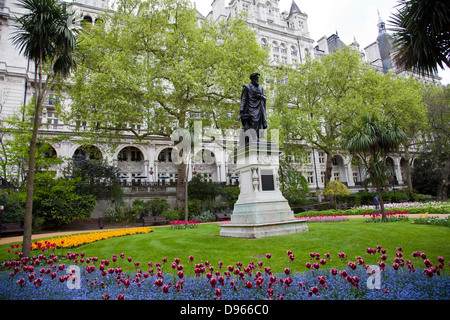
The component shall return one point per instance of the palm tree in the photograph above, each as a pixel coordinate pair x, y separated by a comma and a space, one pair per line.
421, 38
372, 137
46, 37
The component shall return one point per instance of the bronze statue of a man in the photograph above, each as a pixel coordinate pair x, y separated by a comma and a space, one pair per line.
253, 105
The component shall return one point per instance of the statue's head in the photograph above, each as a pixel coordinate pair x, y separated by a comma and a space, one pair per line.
254, 77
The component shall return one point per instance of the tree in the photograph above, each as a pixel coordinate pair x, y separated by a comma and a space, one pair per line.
150, 66
14, 148
44, 36
421, 36
97, 179
372, 137
434, 159
315, 101
57, 201
399, 99
335, 188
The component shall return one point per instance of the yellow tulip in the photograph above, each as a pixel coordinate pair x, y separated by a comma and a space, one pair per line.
76, 240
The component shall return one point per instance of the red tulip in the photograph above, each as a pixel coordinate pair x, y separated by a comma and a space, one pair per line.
121, 297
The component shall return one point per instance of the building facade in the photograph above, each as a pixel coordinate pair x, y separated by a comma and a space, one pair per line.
285, 33
379, 55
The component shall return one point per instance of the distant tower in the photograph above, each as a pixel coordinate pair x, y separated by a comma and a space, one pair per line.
384, 45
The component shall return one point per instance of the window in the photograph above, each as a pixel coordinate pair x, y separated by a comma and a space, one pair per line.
310, 177
293, 51
130, 154
165, 155
321, 157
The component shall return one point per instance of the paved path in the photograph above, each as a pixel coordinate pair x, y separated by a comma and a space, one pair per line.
94, 228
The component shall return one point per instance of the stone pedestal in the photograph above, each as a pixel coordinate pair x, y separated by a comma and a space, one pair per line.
261, 210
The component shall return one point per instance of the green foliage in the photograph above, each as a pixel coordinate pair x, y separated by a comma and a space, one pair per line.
15, 147
123, 215
205, 216
445, 222
201, 189
366, 198
317, 102
293, 184
56, 200
14, 211
194, 207
97, 178
232, 194
420, 36
156, 206
173, 215
335, 188
174, 67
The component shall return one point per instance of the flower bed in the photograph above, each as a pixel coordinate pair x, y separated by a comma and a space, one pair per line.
46, 277
181, 224
434, 207
392, 216
428, 219
325, 218
76, 240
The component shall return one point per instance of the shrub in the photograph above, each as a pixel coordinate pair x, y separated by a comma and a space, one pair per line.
203, 189
173, 214
123, 215
14, 211
157, 206
205, 216
194, 207
424, 219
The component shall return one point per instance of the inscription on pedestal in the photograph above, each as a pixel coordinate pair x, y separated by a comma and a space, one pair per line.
267, 181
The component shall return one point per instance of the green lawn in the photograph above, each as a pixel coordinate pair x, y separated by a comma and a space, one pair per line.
205, 244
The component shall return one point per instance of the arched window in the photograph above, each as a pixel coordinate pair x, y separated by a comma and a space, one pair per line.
88, 152
130, 154
165, 155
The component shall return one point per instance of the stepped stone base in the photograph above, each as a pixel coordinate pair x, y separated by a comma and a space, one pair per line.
261, 210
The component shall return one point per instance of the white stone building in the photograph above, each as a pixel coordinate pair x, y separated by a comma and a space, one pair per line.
379, 55
285, 32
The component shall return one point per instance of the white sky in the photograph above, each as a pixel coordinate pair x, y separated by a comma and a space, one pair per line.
350, 18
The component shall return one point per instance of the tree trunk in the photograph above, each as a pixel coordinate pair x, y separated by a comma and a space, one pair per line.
408, 169
383, 213
28, 217
328, 169
181, 187
442, 188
